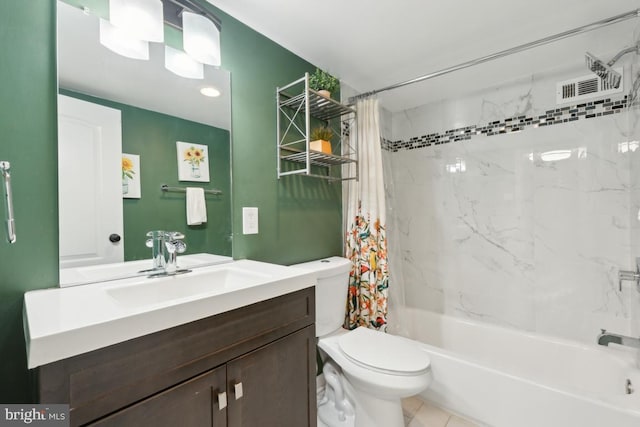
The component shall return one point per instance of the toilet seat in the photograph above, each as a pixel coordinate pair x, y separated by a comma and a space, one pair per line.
376, 381
363, 346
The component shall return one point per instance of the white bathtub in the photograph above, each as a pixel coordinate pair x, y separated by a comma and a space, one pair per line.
505, 378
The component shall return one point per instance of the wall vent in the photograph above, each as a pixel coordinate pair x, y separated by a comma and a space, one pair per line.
585, 87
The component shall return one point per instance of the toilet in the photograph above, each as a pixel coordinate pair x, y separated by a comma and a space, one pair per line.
367, 372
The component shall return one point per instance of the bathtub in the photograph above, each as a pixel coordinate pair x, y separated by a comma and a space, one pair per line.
507, 378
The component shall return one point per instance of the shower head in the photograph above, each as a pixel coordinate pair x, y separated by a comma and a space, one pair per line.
602, 70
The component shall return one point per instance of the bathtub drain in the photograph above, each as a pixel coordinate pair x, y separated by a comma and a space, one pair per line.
629, 387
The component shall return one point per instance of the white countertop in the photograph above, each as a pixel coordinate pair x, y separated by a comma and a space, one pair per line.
64, 322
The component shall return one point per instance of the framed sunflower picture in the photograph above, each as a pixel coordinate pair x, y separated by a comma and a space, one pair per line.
130, 176
193, 162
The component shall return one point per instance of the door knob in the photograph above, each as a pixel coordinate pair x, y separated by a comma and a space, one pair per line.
114, 238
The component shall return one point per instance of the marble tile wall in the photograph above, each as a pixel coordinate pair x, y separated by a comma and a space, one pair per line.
525, 228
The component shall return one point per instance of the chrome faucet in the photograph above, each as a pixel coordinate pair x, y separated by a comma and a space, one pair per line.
173, 246
606, 338
165, 247
156, 243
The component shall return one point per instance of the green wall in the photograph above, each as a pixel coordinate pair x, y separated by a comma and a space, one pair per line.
28, 132
300, 218
153, 137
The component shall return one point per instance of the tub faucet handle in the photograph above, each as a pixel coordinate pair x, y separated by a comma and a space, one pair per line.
629, 275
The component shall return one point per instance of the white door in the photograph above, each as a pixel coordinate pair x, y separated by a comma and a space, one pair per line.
89, 183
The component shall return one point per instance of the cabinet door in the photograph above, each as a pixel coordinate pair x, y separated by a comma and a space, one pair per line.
277, 383
193, 403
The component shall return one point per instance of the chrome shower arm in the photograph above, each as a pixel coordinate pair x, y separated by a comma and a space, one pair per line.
623, 52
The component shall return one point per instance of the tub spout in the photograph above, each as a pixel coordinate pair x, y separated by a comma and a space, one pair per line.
606, 338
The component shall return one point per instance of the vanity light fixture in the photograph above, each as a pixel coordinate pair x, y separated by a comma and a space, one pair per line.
201, 38
133, 24
178, 62
210, 91
142, 19
121, 42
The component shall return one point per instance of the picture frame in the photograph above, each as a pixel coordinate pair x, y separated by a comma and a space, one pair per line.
131, 176
193, 162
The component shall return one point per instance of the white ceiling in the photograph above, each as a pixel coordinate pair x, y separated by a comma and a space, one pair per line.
371, 44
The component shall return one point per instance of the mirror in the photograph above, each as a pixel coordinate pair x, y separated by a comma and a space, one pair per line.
157, 109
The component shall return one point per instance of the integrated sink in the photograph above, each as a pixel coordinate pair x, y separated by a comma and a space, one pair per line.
68, 321
75, 276
194, 284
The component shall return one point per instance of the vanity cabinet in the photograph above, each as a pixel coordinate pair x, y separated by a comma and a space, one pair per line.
189, 404
259, 358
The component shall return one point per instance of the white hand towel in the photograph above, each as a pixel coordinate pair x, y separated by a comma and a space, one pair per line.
196, 207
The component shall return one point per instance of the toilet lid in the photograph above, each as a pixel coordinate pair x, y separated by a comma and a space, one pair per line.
383, 352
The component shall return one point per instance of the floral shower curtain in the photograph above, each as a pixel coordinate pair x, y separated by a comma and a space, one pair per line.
365, 239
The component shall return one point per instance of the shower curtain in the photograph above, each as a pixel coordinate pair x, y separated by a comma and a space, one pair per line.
365, 239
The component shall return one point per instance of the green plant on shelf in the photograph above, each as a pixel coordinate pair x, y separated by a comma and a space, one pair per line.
321, 80
323, 132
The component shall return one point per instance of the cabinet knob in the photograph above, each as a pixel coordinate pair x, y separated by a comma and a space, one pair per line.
114, 238
237, 388
222, 400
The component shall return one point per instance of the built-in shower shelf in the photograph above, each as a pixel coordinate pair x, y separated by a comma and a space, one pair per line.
300, 109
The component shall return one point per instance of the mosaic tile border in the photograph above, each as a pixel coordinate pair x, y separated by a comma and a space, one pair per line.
587, 110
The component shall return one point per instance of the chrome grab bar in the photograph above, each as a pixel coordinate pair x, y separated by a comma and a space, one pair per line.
11, 223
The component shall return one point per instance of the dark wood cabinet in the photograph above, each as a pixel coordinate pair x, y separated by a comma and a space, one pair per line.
260, 358
194, 403
275, 389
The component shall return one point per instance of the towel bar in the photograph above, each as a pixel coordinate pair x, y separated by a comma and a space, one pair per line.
166, 188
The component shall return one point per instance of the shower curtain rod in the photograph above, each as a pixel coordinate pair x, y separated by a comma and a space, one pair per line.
583, 29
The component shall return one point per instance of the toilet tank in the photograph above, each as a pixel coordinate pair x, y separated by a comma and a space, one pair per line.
331, 291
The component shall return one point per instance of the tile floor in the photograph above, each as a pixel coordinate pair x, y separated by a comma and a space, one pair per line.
418, 413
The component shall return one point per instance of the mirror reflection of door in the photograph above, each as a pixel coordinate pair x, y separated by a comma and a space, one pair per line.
90, 185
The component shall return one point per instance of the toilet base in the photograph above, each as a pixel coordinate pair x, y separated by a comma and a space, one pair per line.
329, 416
334, 408
373, 411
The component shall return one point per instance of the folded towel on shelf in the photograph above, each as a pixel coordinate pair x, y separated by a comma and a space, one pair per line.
196, 207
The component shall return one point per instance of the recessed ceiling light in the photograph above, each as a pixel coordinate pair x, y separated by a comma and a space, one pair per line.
210, 91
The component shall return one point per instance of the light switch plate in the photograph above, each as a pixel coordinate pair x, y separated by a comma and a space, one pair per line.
249, 220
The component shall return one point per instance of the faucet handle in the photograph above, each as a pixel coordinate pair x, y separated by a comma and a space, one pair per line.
632, 276
154, 234
175, 235
180, 246
149, 243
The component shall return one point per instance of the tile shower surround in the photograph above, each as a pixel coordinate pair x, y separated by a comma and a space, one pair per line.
586, 110
486, 229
